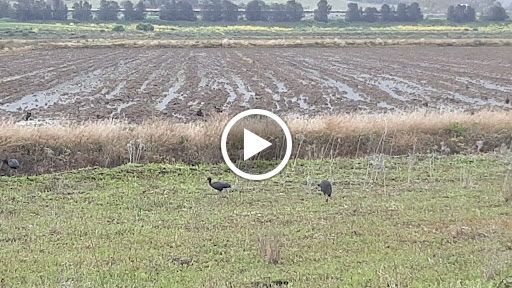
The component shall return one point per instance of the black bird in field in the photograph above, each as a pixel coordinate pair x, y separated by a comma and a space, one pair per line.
12, 163
507, 100
326, 188
27, 116
219, 186
200, 113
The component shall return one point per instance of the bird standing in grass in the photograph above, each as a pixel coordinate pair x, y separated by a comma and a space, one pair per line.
12, 163
219, 186
27, 116
326, 188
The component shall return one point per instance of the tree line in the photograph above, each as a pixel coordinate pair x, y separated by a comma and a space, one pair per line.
227, 11
402, 13
463, 13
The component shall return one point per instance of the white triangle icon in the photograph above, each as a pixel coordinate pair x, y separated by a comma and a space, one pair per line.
253, 144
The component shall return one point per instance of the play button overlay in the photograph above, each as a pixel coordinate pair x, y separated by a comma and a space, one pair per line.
254, 135
253, 144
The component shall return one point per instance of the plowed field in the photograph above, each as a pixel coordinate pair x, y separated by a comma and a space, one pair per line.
142, 83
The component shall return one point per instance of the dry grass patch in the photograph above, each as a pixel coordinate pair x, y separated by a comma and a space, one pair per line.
43, 149
23, 45
271, 248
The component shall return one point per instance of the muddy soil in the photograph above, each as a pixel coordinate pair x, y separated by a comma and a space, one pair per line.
138, 84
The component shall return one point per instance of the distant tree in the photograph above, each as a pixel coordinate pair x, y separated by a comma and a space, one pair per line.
41, 11
495, 13
414, 12
401, 13
181, 11
439, 6
278, 12
185, 11
450, 14
385, 13
461, 14
229, 11
322, 11
27, 10
128, 10
353, 13
470, 14
257, 10
82, 11
5, 9
211, 10
370, 14
59, 10
23, 10
168, 11
140, 11
108, 10
294, 11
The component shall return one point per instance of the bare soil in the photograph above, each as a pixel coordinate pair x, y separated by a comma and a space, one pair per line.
139, 84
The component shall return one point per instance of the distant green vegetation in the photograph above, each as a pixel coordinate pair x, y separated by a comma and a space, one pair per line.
422, 221
200, 30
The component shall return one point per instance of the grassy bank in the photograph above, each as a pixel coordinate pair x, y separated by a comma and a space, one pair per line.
10, 46
244, 30
437, 221
44, 149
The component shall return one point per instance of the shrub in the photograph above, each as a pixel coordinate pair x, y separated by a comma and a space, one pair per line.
118, 28
145, 27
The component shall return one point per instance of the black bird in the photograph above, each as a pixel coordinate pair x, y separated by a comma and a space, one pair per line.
507, 100
27, 116
200, 113
219, 186
326, 188
12, 163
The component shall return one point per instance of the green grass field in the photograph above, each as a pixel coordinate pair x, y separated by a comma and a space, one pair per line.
424, 221
243, 30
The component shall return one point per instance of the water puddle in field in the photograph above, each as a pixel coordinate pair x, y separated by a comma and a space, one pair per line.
203, 80
61, 93
120, 107
328, 102
301, 101
195, 104
349, 93
157, 72
39, 122
392, 84
116, 90
232, 96
281, 87
42, 71
247, 94
172, 93
386, 105
386, 87
477, 101
34, 101
151, 78
179, 116
485, 83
